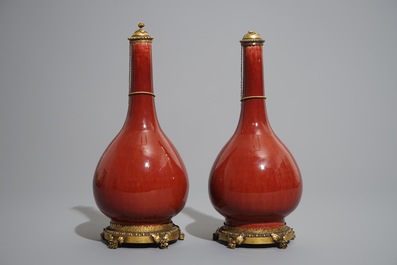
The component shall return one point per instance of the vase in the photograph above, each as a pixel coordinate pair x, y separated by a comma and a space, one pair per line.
254, 182
140, 182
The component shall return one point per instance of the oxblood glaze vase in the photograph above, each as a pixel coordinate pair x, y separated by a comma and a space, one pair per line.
140, 182
254, 182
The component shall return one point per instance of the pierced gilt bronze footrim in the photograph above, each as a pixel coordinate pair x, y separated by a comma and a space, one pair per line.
234, 236
161, 235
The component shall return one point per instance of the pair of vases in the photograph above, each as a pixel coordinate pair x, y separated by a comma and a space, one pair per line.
140, 182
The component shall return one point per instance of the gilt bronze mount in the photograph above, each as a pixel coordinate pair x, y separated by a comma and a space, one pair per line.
161, 235
235, 236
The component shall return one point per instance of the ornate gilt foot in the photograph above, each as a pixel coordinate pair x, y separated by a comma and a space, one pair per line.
282, 239
235, 236
234, 241
114, 243
161, 239
161, 235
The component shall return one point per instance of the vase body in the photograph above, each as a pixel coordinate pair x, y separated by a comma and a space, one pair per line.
254, 182
140, 182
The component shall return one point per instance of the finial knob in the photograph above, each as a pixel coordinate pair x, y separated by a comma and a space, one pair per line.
140, 35
252, 39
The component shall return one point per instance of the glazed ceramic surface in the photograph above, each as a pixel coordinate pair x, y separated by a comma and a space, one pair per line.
140, 179
255, 181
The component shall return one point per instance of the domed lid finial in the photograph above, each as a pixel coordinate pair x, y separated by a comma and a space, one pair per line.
252, 39
140, 35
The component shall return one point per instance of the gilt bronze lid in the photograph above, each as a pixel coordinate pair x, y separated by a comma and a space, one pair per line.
140, 35
252, 39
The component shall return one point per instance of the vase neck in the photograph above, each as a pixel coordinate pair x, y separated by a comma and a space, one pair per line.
141, 108
253, 107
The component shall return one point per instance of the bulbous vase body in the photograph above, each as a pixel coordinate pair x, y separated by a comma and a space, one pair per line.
254, 182
140, 178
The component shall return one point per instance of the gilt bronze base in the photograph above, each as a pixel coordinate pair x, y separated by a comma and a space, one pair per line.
235, 236
158, 235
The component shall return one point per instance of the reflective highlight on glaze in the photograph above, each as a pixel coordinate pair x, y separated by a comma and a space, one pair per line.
255, 181
140, 179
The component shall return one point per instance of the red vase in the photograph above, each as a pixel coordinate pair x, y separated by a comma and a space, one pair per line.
254, 182
140, 182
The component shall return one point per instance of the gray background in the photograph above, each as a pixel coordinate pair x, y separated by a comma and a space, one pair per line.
331, 72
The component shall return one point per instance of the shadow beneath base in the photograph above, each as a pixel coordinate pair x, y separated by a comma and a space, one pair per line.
93, 228
203, 226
